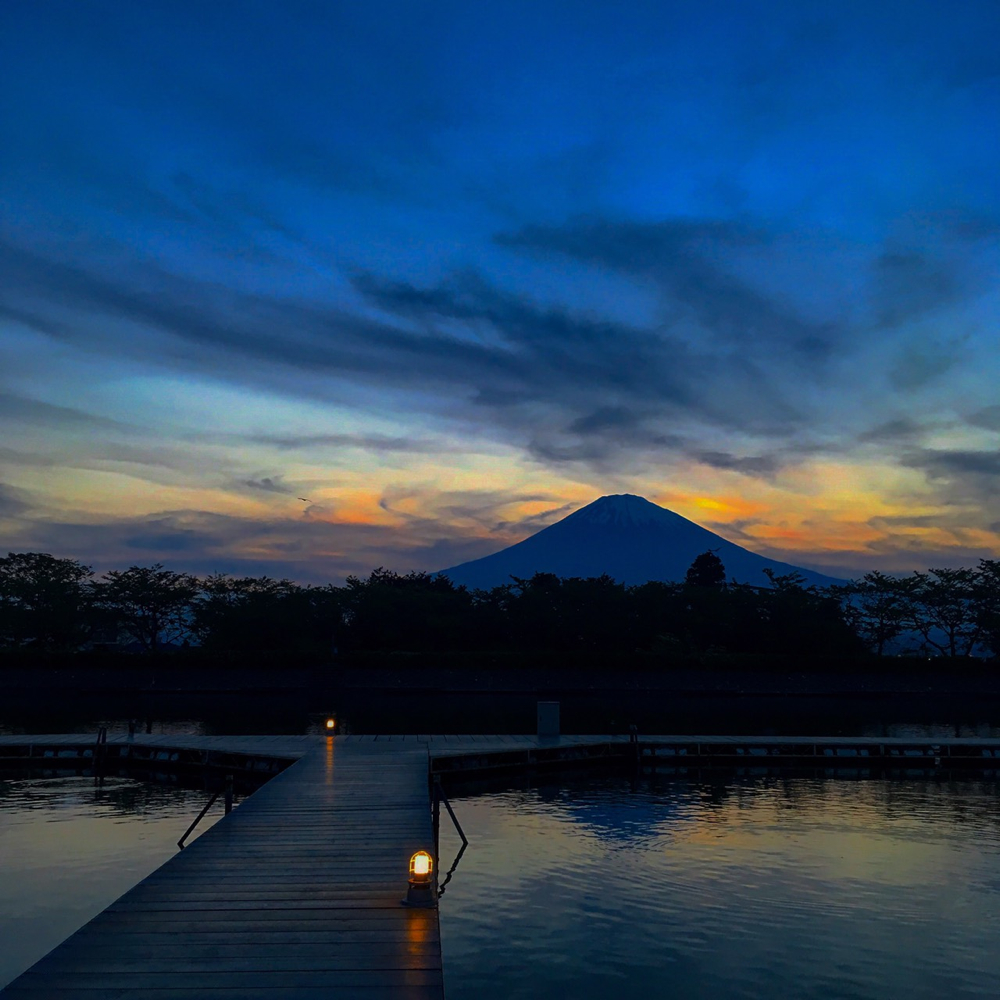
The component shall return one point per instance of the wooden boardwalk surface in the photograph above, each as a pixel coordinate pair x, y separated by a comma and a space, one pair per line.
295, 894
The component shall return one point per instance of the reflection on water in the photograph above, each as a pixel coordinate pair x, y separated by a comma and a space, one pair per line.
743, 888
69, 848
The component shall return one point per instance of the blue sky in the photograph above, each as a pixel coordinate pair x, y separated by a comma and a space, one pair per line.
450, 271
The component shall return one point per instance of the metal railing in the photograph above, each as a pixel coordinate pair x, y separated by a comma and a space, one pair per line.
226, 790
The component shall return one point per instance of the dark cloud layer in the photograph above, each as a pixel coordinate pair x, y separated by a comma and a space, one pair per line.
988, 418
684, 261
567, 386
379, 443
22, 409
970, 478
13, 502
908, 285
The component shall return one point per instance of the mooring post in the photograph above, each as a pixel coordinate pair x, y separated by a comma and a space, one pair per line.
100, 749
548, 718
229, 794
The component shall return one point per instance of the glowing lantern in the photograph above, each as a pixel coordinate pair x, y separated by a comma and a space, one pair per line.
331, 725
420, 890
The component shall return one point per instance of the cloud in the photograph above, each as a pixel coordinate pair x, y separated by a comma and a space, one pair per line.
906, 285
736, 531
962, 476
23, 409
306, 549
13, 501
912, 520
598, 381
558, 383
567, 386
31, 460
923, 362
948, 464
762, 466
368, 442
268, 484
534, 522
684, 260
901, 430
428, 529
987, 418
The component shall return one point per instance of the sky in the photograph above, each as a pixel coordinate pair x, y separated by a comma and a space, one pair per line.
306, 288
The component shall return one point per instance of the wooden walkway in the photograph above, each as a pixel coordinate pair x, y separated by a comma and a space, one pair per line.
297, 894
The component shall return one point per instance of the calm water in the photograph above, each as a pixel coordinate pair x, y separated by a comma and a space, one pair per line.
600, 887
68, 849
756, 889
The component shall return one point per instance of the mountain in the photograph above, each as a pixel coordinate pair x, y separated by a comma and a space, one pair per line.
626, 537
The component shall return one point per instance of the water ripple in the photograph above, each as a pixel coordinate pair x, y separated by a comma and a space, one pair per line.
757, 888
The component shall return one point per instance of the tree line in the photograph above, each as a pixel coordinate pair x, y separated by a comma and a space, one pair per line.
54, 604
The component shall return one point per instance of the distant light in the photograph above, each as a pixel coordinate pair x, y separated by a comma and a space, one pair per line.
420, 890
331, 723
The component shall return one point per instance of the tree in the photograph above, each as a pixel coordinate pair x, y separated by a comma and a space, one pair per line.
706, 603
878, 607
254, 614
800, 618
944, 603
150, 605
42, 601
415, 611
987, 603
706, 571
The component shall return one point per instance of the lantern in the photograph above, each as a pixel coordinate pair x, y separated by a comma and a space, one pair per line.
420, 888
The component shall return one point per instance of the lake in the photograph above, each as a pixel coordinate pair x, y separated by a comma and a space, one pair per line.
739, 888
602, 885
69, 847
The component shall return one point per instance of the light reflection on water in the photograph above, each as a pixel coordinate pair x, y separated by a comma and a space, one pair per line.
796, 887
69, 848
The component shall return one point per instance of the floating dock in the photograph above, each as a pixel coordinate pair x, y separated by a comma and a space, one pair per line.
297, 893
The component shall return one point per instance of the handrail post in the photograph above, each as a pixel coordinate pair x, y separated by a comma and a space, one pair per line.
211, 802
436, 813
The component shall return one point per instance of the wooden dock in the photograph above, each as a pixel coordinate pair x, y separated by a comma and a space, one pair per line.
297, 893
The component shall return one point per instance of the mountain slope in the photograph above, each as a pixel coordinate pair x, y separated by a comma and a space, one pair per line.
626, 537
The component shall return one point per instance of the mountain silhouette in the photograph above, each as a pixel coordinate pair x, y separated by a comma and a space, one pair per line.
627, 537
